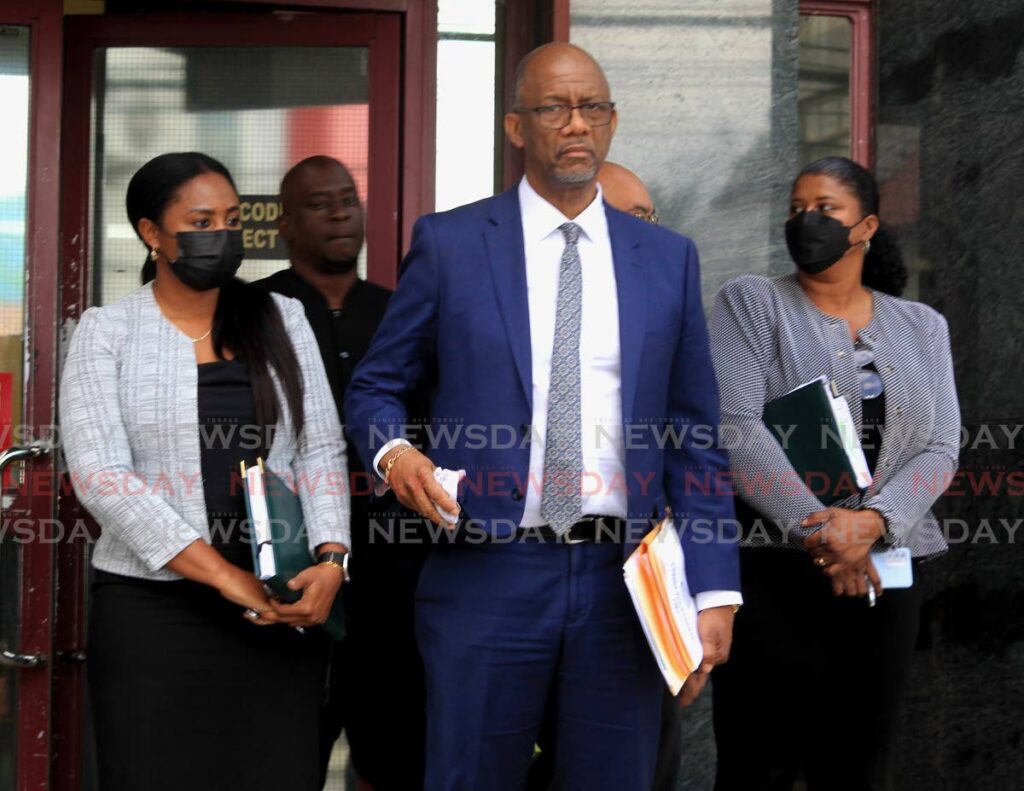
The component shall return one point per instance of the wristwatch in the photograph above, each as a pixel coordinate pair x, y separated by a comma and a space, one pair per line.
339, 559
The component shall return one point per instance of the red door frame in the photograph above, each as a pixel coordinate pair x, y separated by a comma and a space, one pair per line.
41, 249
862, 63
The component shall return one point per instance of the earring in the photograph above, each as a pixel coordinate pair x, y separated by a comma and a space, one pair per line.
867, 246
154, 254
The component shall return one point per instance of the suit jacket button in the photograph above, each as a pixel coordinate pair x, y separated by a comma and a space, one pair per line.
517, 495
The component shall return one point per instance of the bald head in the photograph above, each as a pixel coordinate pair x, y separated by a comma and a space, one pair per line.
293, 185
321, 218
557, 55
624, 190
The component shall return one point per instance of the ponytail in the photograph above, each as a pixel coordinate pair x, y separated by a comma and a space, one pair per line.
148, 274
884, 269
248, 322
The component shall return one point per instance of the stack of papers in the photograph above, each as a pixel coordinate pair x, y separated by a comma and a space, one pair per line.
656, 579
259, 522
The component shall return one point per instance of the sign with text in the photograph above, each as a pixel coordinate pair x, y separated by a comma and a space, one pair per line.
259, 216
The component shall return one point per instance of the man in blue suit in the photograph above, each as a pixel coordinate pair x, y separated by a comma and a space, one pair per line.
565, 348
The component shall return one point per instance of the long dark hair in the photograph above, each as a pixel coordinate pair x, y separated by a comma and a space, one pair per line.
247, 320
884, 269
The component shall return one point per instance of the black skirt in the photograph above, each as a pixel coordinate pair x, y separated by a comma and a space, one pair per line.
187, 694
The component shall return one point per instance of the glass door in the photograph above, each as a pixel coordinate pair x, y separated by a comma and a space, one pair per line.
14, 94
257, 92
256, 109
28, 293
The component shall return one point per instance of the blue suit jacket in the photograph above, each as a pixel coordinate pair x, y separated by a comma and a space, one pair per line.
460, 319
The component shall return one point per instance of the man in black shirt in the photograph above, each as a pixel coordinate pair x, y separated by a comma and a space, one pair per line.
376, 685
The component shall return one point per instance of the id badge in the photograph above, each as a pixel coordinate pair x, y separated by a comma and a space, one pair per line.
894, 567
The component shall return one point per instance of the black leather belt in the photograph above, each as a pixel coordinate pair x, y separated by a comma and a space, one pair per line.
590, 529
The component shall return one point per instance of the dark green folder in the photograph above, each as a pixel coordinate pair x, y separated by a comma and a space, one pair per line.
289, 544
805, 426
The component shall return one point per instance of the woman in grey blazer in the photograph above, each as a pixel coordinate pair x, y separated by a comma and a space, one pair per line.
816, 674
197, 679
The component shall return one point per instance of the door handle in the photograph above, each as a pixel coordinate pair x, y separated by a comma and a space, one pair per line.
33, 451
11, 659
8, 456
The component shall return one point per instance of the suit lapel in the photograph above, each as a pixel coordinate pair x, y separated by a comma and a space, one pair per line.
504, 239
631, 287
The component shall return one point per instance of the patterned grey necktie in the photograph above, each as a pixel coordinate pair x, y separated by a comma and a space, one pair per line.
561, 502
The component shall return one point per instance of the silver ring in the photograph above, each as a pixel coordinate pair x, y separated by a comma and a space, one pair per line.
251, 614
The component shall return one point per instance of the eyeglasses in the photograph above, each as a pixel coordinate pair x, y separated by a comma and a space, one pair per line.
558, 116
653, 218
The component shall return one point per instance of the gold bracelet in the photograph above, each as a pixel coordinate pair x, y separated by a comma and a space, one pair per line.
338, 566
391, 463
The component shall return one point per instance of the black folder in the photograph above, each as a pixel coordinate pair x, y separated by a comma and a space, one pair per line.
280, 547
813, 425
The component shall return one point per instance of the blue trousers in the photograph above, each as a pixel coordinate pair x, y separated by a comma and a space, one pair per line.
502, 625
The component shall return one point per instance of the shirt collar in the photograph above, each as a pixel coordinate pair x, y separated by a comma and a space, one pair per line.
541, 219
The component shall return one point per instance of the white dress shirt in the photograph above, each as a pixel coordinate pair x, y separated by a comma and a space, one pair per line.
604, 462
604, 466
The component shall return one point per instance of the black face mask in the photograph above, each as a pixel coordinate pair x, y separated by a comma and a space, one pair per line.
208, 259
817, 241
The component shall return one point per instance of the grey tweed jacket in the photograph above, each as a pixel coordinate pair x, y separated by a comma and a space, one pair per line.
767, 338
129, 422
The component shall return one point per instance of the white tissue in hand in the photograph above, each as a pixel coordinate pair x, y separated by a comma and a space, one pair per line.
449, 480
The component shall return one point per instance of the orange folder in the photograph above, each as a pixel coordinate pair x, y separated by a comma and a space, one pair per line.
655, 576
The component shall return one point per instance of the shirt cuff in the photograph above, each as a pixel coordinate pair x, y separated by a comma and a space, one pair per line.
708, 599
380, 485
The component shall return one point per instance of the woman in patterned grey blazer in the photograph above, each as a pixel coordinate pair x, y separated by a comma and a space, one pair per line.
816, 674
197, 679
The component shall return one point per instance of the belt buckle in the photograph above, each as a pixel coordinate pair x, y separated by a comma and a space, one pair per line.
568, 536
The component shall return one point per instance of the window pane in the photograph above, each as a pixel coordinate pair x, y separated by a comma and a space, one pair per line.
14, 98
465, 16
824, 87
259, 110
465, 122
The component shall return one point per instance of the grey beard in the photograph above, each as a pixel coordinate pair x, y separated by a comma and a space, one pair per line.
576, 176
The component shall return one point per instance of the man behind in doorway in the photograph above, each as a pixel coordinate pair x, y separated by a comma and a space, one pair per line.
376, 686
623, 190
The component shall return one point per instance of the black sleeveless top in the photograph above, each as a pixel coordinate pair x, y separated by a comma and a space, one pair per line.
228, 435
